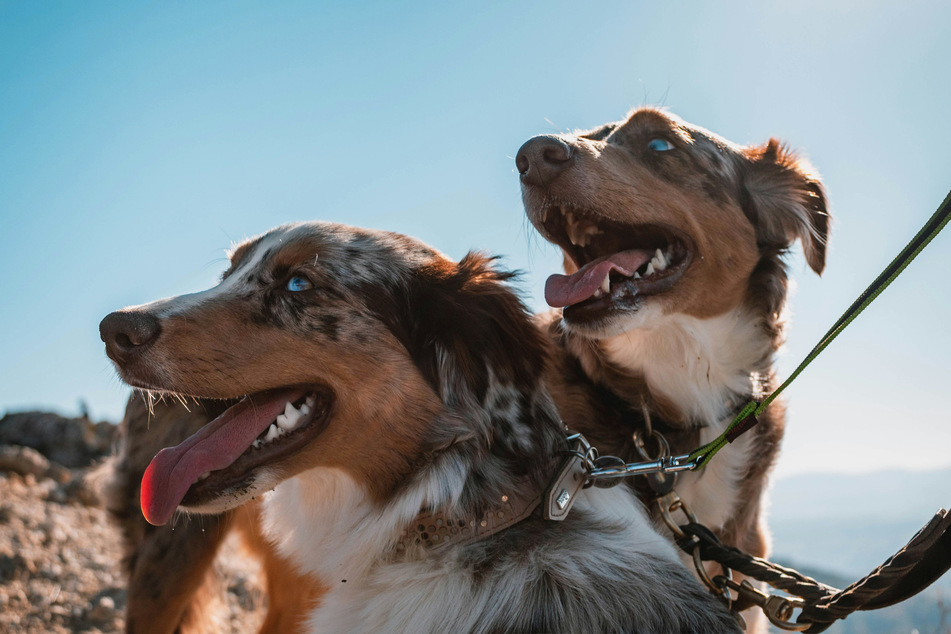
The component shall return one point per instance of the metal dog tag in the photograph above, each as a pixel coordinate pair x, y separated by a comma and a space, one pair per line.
563, 491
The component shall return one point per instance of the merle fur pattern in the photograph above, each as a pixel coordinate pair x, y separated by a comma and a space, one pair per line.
472, 421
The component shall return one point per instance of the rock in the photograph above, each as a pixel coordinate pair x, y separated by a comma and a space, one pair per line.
23, 461
103, 610
60, 553
32, 465
59, 473
70, 442
83, 490
12, 567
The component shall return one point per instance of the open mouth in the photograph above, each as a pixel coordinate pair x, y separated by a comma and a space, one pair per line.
617, 263
223, 456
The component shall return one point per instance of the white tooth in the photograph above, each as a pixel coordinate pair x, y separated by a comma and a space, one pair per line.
289, 419
311, 401
256, 444
571, 227
272, 433
304, 409
580, 235
294, 423
606, 283
598, 294
637, 275
650, 269
204, 475
576, 235
661, 260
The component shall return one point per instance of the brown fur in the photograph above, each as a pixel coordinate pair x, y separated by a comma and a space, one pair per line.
290, 595
605, 406
272, 357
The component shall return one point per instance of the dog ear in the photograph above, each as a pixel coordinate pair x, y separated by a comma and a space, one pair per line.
462, 325
785, 200
599, 133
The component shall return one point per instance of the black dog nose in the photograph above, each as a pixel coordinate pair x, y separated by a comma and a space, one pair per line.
542, 158
127, 332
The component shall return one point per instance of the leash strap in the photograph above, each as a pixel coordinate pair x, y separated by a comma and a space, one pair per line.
909, 571
741, 422
917, 565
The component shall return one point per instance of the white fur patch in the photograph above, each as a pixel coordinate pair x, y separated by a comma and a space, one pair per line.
700, 365
697, 364
712, 492
324, 521
433, 594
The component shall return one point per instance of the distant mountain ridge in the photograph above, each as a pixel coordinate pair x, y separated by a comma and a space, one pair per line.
838, 528
872, 496
851, 523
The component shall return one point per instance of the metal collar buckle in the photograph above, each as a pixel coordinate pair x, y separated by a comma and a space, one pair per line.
572, 476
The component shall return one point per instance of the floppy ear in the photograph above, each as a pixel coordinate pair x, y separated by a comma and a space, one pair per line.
599, 133
785, 200
462, 326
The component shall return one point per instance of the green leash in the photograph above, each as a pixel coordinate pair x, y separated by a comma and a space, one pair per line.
746, 419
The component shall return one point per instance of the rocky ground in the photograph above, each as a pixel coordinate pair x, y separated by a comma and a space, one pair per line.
59, 552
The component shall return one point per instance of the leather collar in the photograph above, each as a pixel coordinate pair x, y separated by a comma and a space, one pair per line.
439, 528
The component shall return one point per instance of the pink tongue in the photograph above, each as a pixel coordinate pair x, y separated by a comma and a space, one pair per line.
215, 446
565, 290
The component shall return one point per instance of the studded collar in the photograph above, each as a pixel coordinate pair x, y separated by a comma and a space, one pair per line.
437, 528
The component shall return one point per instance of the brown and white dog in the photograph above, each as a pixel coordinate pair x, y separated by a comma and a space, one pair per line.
672, 302
365, 379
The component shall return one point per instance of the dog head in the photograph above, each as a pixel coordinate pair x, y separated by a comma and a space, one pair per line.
656, 216
353, 349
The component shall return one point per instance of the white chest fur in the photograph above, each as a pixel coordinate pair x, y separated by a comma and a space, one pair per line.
323, 522
700, 365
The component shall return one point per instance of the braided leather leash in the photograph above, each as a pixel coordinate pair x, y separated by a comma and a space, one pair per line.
916, 566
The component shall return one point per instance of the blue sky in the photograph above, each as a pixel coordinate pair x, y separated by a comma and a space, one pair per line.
138, 140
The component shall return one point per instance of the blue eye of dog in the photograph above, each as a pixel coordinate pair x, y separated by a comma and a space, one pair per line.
298, 283
660, 145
